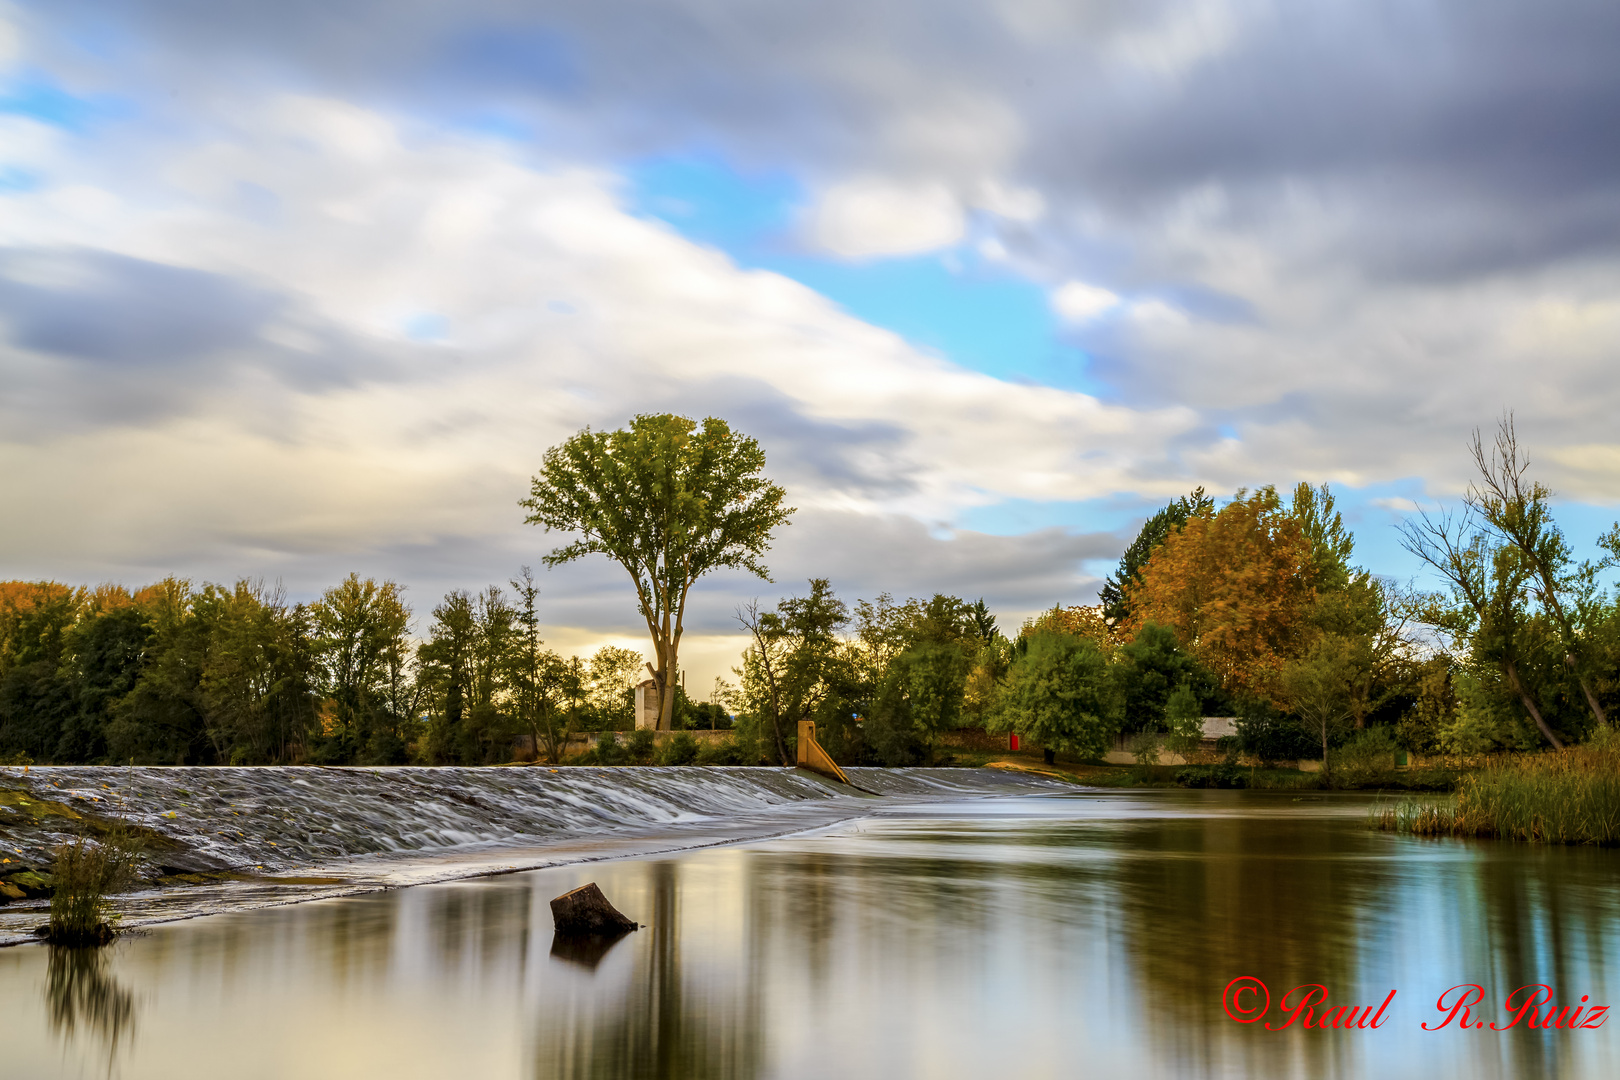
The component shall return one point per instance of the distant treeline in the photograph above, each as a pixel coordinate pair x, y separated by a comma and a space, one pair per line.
1252, 610
175, 673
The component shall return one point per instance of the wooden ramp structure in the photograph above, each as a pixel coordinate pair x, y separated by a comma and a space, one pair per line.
811, 756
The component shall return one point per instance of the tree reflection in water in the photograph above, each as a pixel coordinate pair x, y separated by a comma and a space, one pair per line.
658, 1024
85, 1002
1063, 937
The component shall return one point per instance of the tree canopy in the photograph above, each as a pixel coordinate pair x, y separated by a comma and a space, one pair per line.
1237, 587
1116, 604
669, 501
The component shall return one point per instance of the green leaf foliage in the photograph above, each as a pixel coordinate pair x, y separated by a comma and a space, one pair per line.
1116, 607
667, 500
1062, 695
1154, 667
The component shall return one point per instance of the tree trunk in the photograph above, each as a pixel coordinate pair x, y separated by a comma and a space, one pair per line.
1512, 672
1049, 755
1591, 699
585, 911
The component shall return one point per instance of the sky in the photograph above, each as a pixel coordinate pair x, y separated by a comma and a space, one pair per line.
297, 289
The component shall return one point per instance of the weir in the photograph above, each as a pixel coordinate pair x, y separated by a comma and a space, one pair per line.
275, 818
237, 838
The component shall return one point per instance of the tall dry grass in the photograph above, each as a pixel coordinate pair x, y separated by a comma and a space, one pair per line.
86, 873
1568, 797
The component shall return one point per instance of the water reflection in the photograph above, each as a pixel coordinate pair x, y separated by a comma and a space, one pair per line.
1052, 937
88, 1008
652, 1020
586, 951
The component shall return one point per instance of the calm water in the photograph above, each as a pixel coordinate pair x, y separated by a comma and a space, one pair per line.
1083, 936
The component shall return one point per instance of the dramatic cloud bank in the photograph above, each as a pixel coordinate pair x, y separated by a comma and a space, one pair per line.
301, 288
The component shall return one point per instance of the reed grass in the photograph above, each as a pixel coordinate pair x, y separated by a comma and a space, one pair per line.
1568, 797
86, 873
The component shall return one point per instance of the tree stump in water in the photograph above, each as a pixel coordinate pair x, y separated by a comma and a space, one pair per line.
585, 911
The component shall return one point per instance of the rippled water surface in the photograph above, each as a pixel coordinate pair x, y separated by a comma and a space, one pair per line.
1087, 935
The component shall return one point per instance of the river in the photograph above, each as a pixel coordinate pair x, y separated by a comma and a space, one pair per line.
1080, 935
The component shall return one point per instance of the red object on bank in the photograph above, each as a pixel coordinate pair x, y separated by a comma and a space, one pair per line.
1013, 745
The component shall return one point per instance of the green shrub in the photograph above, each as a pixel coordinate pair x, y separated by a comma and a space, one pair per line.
608, 751
641, 746
725, 752
681, 749
1227, 774
1367, 752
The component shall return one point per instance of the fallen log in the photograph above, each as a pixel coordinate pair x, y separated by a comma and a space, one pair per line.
586, 912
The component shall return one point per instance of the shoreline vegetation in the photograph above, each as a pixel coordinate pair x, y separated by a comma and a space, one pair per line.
1570, 796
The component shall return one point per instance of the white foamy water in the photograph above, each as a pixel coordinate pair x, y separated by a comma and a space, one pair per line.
367, 828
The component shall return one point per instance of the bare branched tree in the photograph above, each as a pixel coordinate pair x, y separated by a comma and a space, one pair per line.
766, 630
1487, 579
1516, 508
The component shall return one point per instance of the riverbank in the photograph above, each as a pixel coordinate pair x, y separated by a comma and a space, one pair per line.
221, 838
1217, 774
1570, 796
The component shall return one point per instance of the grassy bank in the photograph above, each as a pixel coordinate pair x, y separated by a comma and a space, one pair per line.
1569, 797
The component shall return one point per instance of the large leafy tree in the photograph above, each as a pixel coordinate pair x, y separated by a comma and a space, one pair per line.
918, 659
445, 667
1061, 693
1153, 668
797, 668
1114, 598
1239, 588
1319, 687
360, 634
1486, 610
669, 501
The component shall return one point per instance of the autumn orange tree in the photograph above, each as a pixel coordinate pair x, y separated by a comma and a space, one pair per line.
1082, 621
1238, 586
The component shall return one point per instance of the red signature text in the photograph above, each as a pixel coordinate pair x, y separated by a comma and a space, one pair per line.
1247, 1000
1530, 1006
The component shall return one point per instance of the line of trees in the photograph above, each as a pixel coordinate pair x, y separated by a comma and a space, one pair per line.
175, 673
1213, 612
1253, 610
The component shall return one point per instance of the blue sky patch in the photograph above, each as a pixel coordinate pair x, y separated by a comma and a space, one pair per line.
40, 99
973, 314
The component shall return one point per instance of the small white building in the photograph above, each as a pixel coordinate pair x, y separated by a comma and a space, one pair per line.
647, 705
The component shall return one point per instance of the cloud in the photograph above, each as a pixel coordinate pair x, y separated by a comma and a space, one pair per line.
1591, 472
1078, 302
560, 309
115, 312
1328, 239
863, 218
1023, 205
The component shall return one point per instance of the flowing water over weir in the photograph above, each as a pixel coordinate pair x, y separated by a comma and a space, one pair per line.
220, 838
